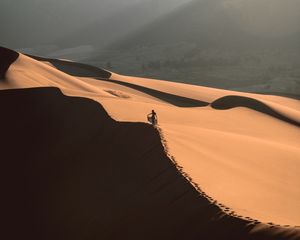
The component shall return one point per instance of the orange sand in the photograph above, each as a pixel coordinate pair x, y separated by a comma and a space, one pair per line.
243, 150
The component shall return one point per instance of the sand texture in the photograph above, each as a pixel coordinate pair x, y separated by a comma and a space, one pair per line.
80, 161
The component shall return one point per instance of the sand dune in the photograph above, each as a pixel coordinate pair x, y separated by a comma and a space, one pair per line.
218, 160
74, 68
229, 102
7, 58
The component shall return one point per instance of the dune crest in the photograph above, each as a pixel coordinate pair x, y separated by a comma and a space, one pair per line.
7, 57
229, 102
75, 68
95, 191
239, 164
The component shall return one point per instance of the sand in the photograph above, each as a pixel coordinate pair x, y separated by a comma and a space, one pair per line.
237, 155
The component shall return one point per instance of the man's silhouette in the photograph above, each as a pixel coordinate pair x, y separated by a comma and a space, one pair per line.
152, 117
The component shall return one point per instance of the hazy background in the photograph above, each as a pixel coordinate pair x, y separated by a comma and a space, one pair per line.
28, 23
249, 45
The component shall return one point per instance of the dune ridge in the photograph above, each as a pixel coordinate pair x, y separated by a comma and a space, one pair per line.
222, 103
176, 100
74, 68
123, 88
7, 57
72, 193
229, 102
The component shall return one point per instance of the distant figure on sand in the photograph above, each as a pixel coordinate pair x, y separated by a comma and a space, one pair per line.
152, 117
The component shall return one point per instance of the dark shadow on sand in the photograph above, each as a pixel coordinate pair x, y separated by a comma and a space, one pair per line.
69, 171
173, 99
229, 102
75, 68
7, 57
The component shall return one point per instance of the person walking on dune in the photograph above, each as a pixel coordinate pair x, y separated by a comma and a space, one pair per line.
152, 117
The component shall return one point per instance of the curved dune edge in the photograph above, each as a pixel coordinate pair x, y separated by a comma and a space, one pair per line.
68, 191
229, 102
81, 70
197, 96
7, 57
225, 209
222, 103
221, 108
74, 68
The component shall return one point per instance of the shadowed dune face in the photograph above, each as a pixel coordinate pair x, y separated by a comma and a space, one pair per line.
7, 57
173, 99
229, 102
75, 68
69, 171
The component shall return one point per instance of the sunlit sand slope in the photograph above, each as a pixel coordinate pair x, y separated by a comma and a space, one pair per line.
219, 163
